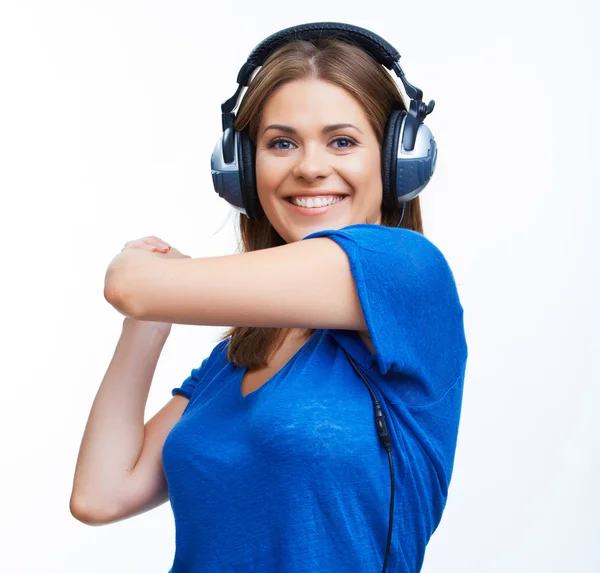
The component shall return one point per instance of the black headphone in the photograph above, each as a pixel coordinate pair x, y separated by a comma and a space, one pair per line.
409, 151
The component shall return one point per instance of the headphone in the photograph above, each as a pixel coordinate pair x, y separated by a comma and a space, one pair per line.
408, 153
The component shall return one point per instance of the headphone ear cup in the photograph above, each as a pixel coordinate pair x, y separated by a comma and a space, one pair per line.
224, 167
389, 153
416, 160
246, 159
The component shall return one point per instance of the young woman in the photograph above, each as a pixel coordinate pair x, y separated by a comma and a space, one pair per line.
269, 452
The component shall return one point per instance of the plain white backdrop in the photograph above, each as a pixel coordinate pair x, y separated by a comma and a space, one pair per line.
109, 112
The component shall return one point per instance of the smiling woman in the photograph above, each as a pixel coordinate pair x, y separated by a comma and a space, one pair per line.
278, 458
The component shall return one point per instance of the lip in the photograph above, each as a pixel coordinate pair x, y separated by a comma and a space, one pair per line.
314, 211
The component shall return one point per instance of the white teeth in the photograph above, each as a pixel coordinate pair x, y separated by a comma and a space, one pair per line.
311, 203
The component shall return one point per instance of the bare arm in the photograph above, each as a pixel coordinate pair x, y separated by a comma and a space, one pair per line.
306, 284
114, 434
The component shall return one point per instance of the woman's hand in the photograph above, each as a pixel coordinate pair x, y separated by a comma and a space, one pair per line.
153, 244
142, 249
136, 252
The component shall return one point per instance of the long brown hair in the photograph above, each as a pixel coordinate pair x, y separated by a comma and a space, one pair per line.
351, 68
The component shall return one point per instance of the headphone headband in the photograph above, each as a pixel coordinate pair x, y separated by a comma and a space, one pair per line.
375, 45
380, 49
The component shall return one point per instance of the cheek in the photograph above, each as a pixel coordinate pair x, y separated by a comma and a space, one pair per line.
365, 174
269, 173
259, 169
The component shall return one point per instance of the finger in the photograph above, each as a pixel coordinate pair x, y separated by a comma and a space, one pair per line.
139, 245
148, 240
159, 241
154, 244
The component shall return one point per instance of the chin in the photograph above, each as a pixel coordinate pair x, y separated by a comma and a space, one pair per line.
293, 233
295, 223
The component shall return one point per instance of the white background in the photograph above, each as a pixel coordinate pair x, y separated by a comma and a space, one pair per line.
109, 112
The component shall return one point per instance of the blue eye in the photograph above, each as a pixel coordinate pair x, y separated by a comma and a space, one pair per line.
351, 141
277, 140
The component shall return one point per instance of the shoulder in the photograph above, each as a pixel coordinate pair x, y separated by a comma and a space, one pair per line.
386, 240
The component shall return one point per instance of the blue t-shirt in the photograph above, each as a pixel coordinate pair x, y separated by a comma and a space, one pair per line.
293, 478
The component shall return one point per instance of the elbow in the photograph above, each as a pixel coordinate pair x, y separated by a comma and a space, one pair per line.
119, 296
86, 514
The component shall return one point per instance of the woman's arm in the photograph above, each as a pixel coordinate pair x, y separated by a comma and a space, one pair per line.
305, 284
114, 433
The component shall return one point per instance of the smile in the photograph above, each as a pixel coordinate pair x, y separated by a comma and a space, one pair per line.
313, 210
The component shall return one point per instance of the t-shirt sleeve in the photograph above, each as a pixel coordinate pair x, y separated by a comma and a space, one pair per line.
410, 303
198, 375
191, 382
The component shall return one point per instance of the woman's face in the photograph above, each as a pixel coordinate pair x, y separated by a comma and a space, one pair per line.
302, 151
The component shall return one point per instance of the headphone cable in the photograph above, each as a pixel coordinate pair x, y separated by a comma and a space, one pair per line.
384, 436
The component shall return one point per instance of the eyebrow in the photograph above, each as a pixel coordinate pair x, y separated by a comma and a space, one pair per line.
326, 129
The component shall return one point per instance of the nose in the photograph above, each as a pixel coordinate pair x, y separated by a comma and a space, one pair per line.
313, 162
